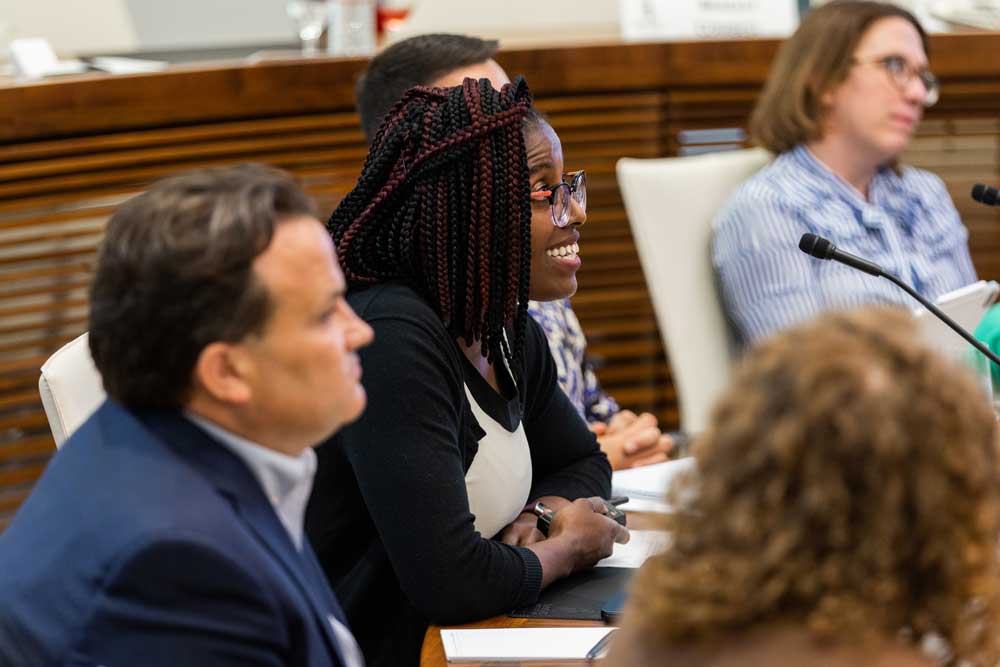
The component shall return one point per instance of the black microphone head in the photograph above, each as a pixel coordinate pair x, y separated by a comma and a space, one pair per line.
984, 194
816, 246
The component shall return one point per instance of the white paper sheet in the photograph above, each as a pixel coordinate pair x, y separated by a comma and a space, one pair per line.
649, 481
517, 644
644, 543
646, 505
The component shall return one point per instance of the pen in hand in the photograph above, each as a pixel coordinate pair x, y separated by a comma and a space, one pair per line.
601, 646
545, 514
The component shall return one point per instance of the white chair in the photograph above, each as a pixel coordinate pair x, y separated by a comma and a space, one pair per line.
670, 204
71, 388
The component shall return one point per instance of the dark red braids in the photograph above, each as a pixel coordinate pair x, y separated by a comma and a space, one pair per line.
443, 206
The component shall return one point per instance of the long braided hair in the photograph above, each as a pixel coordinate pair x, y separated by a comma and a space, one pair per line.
443, 206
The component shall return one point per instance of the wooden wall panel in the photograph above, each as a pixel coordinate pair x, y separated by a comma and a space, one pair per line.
55, 198
71, 150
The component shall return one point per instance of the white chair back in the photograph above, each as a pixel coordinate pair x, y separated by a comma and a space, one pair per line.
71, 388
671, 203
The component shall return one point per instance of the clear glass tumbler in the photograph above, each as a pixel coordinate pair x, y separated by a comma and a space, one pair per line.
310, 17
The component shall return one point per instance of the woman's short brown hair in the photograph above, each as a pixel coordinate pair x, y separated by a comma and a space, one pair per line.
849, 481
814, 60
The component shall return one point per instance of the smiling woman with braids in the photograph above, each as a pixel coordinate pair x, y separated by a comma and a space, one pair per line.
461, 214
849, 505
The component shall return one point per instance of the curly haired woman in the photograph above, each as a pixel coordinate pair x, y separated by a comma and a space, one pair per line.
848, 509
461, 214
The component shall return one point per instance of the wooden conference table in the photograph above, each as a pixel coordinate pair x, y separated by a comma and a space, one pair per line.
432, 653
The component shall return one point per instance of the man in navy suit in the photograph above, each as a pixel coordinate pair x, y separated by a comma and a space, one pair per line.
168, 529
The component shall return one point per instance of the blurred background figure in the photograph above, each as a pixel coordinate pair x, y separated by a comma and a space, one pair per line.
847, 510
844, 97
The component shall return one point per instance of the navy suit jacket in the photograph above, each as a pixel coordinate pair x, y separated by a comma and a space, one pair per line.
146, 542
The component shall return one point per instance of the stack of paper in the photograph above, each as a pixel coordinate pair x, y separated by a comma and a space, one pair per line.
519, 644
646, 486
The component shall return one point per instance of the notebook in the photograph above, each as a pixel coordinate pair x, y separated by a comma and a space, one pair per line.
966, 306
614, 607
579, 596
520, 644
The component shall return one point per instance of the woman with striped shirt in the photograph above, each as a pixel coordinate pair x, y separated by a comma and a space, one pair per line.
843, 99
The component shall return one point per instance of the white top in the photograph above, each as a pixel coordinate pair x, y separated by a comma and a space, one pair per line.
499, 480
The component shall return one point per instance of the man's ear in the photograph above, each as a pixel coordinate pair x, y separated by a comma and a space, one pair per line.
222, 371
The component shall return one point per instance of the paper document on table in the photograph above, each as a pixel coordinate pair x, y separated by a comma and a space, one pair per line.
642, 545
519, 644
646, 486
647, 506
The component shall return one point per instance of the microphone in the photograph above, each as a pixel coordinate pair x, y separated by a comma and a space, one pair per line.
984, 194
818, 247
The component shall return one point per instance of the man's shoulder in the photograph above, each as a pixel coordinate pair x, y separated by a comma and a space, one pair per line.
114, 478
109, 498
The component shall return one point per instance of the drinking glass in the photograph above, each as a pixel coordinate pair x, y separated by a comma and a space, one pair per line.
310, 18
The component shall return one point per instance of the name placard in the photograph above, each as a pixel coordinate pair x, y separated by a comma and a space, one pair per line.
652, 20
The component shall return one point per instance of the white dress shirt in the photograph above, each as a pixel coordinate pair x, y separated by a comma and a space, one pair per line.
287, 482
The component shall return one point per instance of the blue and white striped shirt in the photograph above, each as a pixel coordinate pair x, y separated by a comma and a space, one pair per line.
909, 226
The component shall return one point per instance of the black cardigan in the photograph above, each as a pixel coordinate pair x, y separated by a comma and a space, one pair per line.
389, 516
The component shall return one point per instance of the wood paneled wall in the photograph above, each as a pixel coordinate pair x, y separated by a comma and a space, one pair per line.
71, 150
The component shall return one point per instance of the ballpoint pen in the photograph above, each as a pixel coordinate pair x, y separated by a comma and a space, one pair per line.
601, 646
545, 513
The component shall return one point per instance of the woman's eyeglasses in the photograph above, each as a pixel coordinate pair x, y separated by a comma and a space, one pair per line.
901, 73
559, 197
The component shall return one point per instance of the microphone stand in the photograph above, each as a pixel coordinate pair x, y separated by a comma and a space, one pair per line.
820, 248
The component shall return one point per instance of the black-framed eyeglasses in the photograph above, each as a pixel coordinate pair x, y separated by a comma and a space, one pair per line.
559, 197
901, 73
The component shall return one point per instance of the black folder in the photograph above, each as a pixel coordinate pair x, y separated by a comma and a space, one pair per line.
579, 596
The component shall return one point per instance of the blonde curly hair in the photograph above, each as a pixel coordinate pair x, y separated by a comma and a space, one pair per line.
849, 482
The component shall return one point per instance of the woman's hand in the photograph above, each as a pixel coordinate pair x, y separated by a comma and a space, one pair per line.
629, 440
579, 536
592, 534
522, 531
